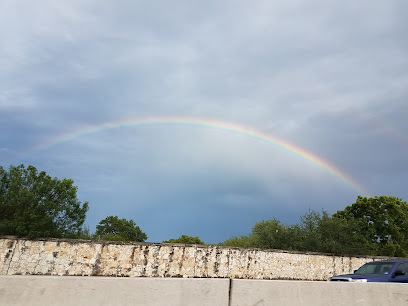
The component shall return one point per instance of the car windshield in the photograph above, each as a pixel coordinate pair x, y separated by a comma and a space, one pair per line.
375, 268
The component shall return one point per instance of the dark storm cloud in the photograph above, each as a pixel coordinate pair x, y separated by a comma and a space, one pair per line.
328, 77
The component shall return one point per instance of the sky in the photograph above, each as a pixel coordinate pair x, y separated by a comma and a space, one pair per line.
204, 117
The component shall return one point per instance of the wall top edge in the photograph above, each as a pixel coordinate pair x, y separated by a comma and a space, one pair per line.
198, 246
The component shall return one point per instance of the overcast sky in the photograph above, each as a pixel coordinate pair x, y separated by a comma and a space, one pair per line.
204, 117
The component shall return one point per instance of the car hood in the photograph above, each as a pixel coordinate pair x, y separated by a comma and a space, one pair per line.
369, 277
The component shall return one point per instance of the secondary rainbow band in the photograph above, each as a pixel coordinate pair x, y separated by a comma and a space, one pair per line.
221, 125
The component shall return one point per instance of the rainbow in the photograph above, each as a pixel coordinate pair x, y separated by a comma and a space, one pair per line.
208, 123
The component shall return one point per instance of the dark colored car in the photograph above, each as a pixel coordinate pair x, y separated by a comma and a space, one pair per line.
377, 271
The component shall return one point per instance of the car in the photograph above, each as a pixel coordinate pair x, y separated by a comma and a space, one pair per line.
394, 270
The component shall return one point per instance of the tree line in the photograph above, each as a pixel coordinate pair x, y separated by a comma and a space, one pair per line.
370, 226
33, 205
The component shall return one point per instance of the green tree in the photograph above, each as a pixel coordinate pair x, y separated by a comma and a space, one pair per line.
86, 234
186, 240
113, 228
241, 242
32, 204
341, 236
305, 235
383, 221
320, 232
270, 234
316, 232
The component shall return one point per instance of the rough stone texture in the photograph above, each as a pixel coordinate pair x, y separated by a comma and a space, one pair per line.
83, 258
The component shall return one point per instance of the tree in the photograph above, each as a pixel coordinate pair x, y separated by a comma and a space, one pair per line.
305, 236
341, 236
186, 240
241, 242
316, 232
86, 234
33, 204
383, 221
270, 234
113, 228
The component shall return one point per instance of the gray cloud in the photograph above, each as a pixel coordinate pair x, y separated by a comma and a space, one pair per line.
330, 78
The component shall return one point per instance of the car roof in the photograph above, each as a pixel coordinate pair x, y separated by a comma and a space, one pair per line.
389, 261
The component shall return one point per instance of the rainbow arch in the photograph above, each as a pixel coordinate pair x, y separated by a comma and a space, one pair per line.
208, 123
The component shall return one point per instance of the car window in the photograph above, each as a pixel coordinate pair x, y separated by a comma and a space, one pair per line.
404, 268
375, 268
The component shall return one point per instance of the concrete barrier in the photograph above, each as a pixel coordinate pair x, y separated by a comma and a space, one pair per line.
76, 290
262, 292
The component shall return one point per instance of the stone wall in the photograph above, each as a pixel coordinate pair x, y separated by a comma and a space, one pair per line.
97, 258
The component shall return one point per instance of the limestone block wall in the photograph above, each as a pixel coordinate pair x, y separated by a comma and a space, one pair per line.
100, 258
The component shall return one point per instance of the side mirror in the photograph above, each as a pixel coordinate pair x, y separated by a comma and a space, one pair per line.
355, 271
398, 273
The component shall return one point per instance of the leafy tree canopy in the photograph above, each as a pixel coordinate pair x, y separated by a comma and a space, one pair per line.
316, 232
383, 221
32, 204
186, 240
270, 234
113, 228
320, 232
242, 242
